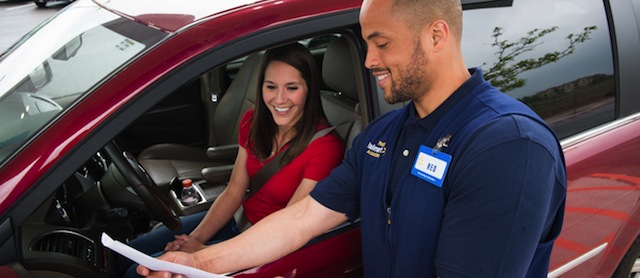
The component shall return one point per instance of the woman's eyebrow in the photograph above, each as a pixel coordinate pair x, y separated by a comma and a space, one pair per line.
286, 84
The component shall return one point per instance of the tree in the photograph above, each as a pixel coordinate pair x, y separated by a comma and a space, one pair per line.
503, 73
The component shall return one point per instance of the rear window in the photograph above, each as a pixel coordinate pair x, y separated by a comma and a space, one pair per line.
556, 58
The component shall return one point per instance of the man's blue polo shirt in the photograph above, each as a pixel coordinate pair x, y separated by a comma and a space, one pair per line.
498, 210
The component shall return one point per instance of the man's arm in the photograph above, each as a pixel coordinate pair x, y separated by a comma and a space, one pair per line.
505, 204
273, 237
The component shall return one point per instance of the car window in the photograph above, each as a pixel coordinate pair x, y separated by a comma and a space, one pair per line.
198, 100
636, 10
45, 75
557, 58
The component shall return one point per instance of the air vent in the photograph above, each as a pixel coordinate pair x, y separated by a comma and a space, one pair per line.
66, 242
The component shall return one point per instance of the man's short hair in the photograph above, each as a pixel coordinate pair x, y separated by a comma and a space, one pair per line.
417, 13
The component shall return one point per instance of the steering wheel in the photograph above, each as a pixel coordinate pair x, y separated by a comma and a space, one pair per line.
143, 185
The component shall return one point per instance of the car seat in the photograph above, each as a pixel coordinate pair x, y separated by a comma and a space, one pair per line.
341, 105
166, 161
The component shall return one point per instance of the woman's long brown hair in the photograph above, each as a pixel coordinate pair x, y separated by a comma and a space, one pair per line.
263, 129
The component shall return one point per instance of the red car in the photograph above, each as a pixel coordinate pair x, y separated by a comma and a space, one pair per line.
92, 92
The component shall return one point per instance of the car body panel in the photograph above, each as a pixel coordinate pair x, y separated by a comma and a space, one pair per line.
169, 17
601, 168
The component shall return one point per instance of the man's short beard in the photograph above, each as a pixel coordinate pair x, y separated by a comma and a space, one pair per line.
410, 79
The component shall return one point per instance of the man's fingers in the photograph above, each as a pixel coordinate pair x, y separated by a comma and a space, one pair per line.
143, 271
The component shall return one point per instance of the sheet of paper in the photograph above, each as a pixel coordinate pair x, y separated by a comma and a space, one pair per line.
153, 263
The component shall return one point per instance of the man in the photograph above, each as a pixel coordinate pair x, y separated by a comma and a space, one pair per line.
462, 182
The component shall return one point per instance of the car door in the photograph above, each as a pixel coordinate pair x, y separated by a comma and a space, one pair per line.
565, 60
139, 108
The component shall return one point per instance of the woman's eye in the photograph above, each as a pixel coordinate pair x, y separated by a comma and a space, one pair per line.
292, 88
270, 87
382, 45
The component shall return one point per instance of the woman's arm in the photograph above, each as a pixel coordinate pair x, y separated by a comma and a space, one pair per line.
327, 153
303, 190
220, 212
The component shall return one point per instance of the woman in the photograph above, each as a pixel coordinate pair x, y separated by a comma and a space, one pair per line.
288, 113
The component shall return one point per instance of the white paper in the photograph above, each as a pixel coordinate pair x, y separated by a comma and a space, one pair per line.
153, 263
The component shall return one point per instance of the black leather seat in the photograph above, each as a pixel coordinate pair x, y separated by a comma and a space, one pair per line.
164, 162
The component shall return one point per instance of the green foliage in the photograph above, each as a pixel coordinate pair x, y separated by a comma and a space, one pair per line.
504, 73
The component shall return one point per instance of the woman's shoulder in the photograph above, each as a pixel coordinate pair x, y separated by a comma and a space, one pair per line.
248, 116
247, 120
245, 126
330, 141
332, 135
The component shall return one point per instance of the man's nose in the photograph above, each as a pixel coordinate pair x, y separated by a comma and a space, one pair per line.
371, 60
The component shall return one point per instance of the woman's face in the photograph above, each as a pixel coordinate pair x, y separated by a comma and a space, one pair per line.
284, 91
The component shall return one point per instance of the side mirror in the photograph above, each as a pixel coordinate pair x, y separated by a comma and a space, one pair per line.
41, 75
68, 50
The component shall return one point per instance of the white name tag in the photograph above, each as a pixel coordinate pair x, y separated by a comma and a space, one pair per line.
431, 165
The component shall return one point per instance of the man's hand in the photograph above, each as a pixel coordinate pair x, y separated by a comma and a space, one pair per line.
174, 257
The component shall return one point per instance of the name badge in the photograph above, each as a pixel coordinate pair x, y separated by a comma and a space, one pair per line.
431, 165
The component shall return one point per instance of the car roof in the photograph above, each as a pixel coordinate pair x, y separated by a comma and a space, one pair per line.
171, 16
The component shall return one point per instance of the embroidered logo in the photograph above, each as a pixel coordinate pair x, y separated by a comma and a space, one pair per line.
376, 150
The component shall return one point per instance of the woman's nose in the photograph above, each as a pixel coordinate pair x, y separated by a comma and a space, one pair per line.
281, 96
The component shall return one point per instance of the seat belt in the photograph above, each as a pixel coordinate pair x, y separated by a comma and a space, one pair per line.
273, 166
211, 92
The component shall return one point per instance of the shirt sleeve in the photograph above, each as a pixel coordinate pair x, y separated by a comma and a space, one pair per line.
326, 153
505, 202
340, 191
245, 127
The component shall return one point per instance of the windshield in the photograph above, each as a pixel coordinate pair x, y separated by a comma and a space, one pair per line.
60, 61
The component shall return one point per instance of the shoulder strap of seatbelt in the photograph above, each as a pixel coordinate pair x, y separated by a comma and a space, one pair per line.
273, 166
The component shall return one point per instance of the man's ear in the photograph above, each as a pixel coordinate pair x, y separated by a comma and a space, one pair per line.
438, 34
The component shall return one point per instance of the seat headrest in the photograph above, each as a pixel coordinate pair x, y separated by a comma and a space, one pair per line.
254, 62
338, 70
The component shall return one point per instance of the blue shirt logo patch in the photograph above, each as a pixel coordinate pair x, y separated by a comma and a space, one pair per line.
376, 150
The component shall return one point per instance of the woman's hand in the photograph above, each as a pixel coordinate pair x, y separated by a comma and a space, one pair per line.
184, 243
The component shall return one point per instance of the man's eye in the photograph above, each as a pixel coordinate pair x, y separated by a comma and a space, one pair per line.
382, 45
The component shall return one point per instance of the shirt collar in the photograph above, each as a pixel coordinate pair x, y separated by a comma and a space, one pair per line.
434, 117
